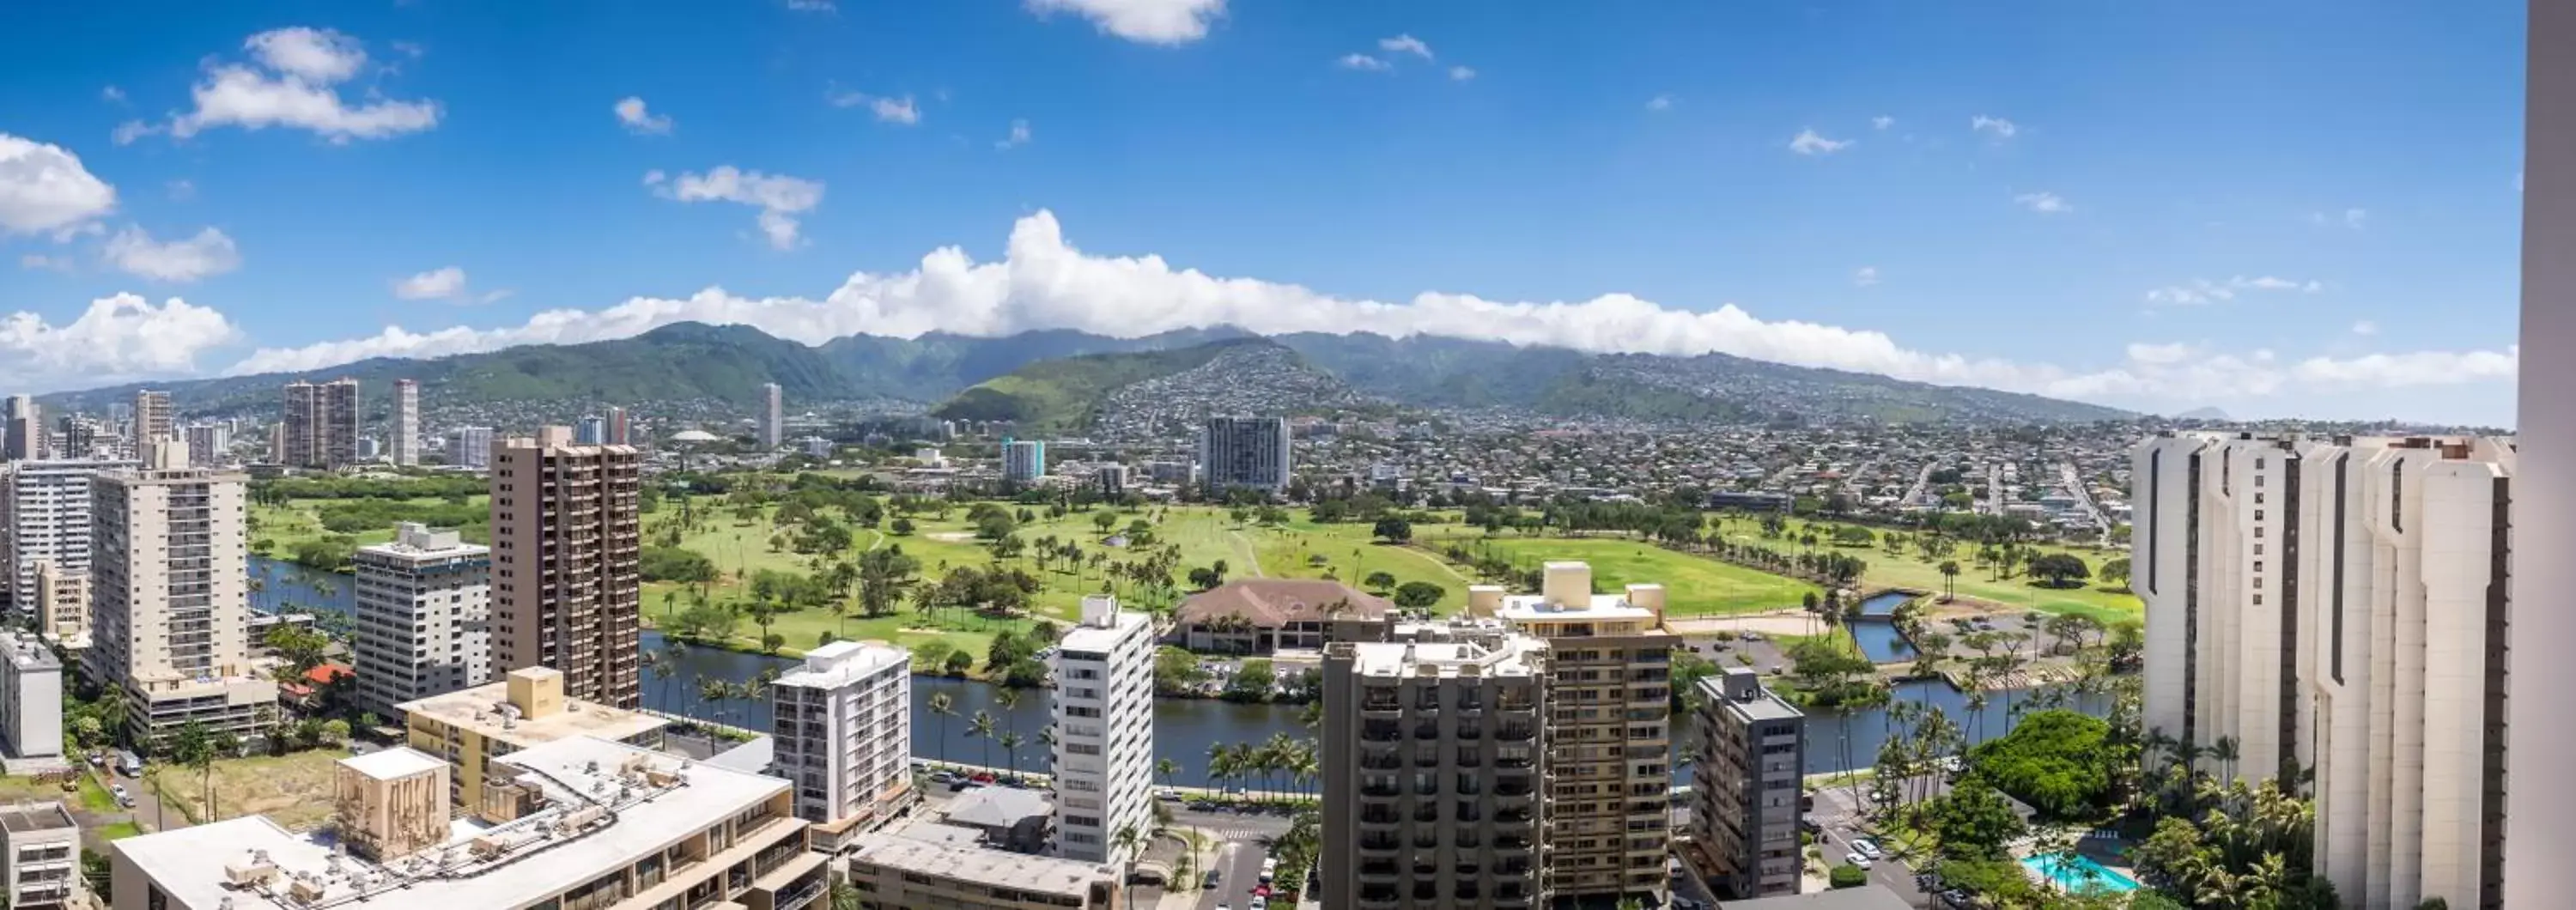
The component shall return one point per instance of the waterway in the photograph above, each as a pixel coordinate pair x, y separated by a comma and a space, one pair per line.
1884, 603
1184, 729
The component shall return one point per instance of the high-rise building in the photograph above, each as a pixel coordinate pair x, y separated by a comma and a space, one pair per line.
170, 598
590, 431
1023, 460
1112, 480
78, 438
470, 447
842, 730
26, 428
1104, 731
1246, 453
1745, 787
31, 698
209, 444
424, 613
154, 419
1611, 823
45, 512
321, 424
406, 451
620, 428
773, 417
1434, 760
566, 545
2539, 798
2342, 606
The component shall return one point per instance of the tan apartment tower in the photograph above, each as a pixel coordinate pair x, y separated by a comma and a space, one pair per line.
321, 424
154, 419
566, 583
170, 595
1611, 743
406, 448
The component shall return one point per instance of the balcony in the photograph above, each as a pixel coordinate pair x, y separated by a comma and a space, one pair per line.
1381, 733
1385, 789
1516, 733
1378, 868
1378, 815
1426, 731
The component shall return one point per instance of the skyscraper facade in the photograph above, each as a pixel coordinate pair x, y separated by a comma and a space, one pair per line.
424, 611
773, 416
842, 725
1248, 453
470, 447
45, 514
1746, 786
26, 429
620, 432
154, 419
566, 541
406, 448
1023, 461
321, 422
209, 444
170, 597
1104, 730
590, 431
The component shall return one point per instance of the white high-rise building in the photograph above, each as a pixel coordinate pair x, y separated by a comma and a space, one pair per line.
406, 451
170, 595
424, 613
2540, 798
209, 444
842, 727
1244, 453
2341, 606
45, 514
773, 416
26, 439
31, 698
1023, 460
591, 430
1104, 732
470, 447
154, 418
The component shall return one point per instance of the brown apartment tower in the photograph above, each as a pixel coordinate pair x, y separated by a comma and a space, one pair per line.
566, 542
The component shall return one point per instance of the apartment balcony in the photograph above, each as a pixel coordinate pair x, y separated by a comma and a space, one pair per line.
1372, 870
1517, 733
1379, 815
1379, 790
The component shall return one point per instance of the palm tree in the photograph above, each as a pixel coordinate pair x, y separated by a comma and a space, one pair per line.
1009, 701
1127, 840
713, 693
2224, 752
1949, 580
1010, 740
943, 707
983, 728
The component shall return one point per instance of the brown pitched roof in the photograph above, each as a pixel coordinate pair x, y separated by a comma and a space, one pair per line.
1274, 602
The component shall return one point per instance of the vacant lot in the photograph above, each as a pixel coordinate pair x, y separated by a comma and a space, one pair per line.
292, 789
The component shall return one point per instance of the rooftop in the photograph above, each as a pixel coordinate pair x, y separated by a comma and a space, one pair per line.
391, 764
1105, 638
1515, 655
1873, 897
27, 653
481, 710
844, 662
1765, 705
997, 807
1528, 607
36, 817
196, 865
1279, 601
994, 868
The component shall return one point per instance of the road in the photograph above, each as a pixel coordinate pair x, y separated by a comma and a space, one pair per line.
1922, 481
1238, 867
1841, 818
1994, 504
2074, 484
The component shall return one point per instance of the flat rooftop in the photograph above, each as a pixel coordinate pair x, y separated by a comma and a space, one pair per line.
26, 652
1511, 656
1765, 705
1103, 639
982, 866
392, 764
191, 863
844, 662
1534, 607
478, 709
36, 817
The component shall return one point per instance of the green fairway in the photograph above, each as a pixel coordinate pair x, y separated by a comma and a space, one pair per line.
1693, 585
1910, 570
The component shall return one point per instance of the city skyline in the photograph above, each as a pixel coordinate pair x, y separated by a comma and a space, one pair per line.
1882, 215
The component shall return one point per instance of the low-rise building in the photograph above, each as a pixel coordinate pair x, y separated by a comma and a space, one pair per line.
62, 605
31, 702
474, 727
1262, 615
577, 824
393, 802
892, 872
40, 847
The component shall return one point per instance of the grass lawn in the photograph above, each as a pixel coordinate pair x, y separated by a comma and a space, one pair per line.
120, 830
1910, 570
293, 789
1693, 585
1350, 554
300, 520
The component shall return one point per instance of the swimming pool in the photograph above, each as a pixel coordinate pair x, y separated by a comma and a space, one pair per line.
2081, 875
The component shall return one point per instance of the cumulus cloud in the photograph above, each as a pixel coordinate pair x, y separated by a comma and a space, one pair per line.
2203, 291
1405, 44
44, 189
122, 338
1166, 22
887, 109
1865, 276
2043, 203
1044, 282
134, 251
293, 82
1019, 136
1363, 63
1462, 73
633, 115
1997, 127
1808, 142
435, 284
2365, 328
780, 198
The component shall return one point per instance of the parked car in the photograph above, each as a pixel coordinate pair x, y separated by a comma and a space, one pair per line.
961, 785
942, 778
1258, 903
1866, 847
1168, 795
1858, 860
1211, 881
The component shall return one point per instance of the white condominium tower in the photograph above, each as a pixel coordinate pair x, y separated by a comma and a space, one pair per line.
154, 419
470, 447
842, 725
2341, 605
1244, 453
45, 519
1104, 733
26, 438
170, 595
406, 451
424, 613
773, 417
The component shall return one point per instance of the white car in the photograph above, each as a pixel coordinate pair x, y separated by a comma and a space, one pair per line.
1858, 860
1168, 795
1258, 903
1866, 847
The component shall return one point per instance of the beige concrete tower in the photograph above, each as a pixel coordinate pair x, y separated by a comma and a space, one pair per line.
566, 585
170, 595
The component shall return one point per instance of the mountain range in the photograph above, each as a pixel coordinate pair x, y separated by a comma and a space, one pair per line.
1061, 378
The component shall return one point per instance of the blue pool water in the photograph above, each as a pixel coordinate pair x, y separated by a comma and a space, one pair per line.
2081, 875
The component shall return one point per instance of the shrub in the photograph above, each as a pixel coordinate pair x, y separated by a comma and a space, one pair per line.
1847, 876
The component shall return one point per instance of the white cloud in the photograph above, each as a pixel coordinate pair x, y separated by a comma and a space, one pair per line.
2355, 218
436, 284
632, 113
780, 198
42, 261
813, 6
2043, 203
1405, 44
1865, 276
208, 253
1019, 136
180, 190
116, 339
294, 84
44, 188
1462, 73
1363, 63
1145, 21
2365, 328
1808, 143
112, 94
2415, 368
1660, 103
1998, 126
1881, 122
2202, 290
887, 109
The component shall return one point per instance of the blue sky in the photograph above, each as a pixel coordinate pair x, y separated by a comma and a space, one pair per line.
2282, 208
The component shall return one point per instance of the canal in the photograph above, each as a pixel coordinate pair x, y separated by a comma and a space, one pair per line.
1184, 729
